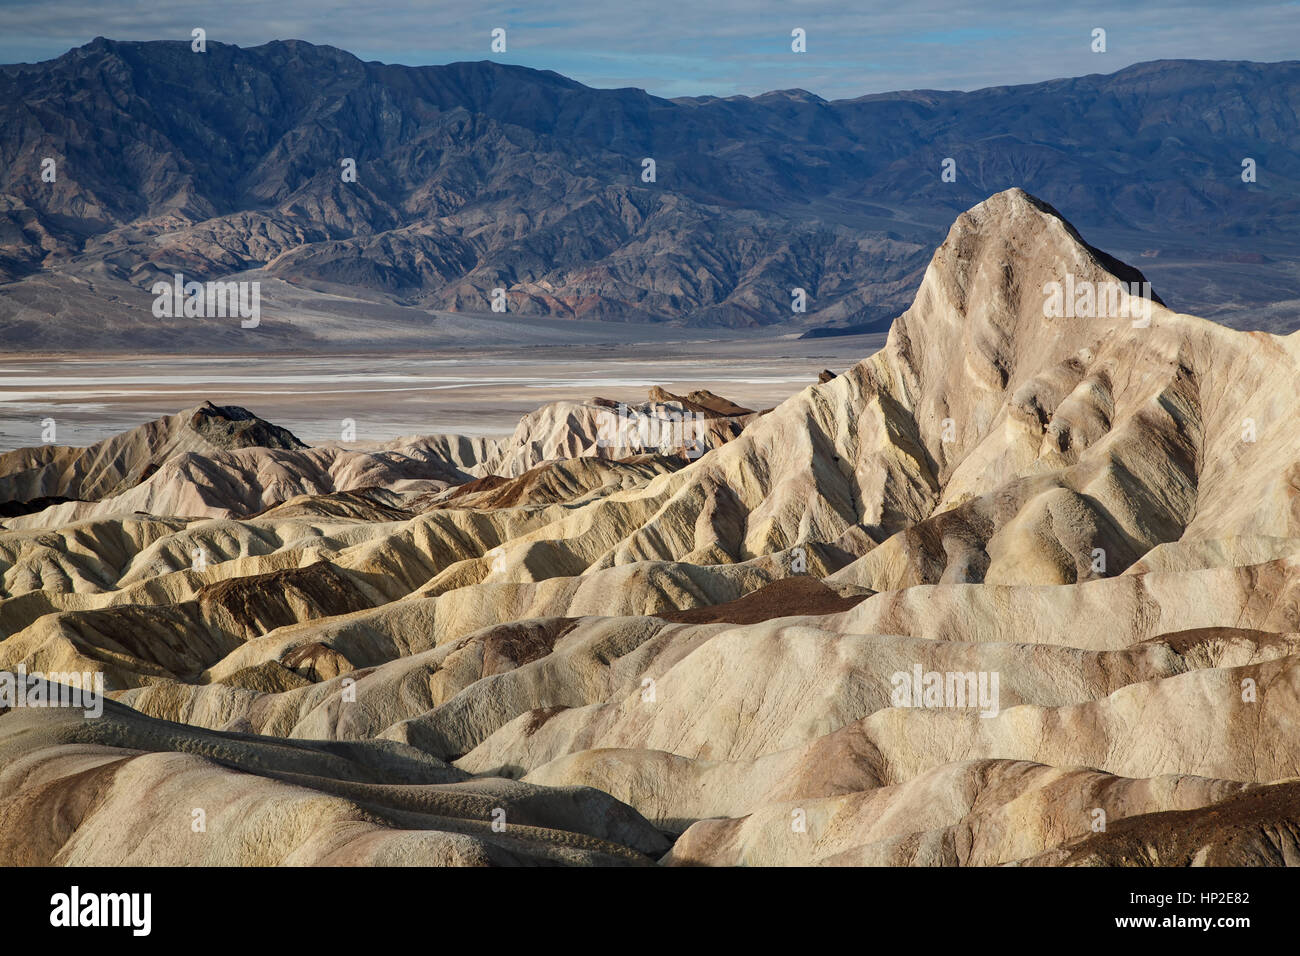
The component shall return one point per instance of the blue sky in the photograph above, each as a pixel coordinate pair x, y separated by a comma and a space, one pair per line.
676, 48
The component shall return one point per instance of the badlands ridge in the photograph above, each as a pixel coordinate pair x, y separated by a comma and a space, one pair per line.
554, 649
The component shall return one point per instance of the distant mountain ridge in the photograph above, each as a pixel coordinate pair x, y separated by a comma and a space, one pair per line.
477, 176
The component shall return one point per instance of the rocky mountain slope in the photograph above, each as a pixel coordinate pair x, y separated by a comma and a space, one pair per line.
1017, 589
479, 176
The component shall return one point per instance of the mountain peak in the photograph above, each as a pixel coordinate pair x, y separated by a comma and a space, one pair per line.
984, 312
230, 426
1013, 214
795, 94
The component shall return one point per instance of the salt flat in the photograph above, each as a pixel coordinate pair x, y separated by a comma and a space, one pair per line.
462, 391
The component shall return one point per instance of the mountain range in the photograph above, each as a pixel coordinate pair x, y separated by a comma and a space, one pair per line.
472, 177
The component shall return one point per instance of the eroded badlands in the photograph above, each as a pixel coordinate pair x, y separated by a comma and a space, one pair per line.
547, 649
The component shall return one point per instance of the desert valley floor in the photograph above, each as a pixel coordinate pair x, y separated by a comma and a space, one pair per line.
484, 391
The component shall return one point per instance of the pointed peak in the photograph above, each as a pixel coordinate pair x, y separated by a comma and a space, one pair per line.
1013, 217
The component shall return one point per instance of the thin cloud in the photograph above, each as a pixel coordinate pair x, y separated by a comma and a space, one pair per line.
676, 48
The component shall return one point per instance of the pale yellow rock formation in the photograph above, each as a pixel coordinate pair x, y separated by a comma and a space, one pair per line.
651, 657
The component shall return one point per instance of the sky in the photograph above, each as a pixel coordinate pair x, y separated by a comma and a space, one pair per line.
705, 47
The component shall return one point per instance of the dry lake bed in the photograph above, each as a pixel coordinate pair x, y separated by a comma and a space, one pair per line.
462, 391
